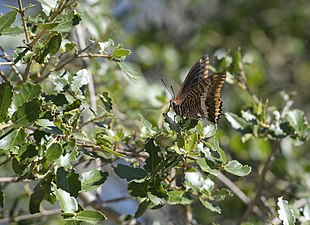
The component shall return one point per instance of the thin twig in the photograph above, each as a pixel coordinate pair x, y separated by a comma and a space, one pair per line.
22, 15
30, 216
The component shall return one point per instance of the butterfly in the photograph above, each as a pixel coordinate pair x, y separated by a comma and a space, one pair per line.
199, 95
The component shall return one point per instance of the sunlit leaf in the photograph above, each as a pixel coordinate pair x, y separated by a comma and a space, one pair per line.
67, 203
205, 167
54, 152
285, 212
130, 72
236, 168
27, 92
209, 206
93, 179
7, 20
90, 216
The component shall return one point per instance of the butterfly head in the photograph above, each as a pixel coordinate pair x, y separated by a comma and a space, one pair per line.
174, 103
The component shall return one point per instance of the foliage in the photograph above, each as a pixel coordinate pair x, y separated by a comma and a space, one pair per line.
69, 122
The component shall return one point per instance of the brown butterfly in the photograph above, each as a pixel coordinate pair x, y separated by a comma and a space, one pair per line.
199, 95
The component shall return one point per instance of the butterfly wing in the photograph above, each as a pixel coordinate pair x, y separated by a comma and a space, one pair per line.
197, 73
203, 100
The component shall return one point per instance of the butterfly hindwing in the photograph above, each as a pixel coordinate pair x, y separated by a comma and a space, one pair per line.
199, 95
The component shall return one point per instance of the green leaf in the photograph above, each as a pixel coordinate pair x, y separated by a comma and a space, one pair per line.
68, 181
138, 188
54, 44
67, 203
27, 92
285, 212
234, 67
130, 72
48, 25
90, 216
119, 51
54, 152
91, 180
142, 208
216, 146
58, 100
205, 167
153, 160
297, 120
129, 173
209, 206
7, 20
236, 168
27, 114
106, 101
209, 131
191, 142
6, 94
172, 124
27, 152
36, 198
177, 197
12, 31
67, 21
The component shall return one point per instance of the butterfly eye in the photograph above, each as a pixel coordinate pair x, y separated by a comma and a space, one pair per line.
173, 104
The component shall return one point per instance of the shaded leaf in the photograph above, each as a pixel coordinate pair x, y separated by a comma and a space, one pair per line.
2, 199
142, 208
153, 160
26, 114
138, 188
6, 94
129, 173
236, 168
68, 181
36, 198
91, 180
172, 124
27, 92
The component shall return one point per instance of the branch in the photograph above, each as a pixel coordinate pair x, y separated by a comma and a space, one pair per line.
22, 15
30, 216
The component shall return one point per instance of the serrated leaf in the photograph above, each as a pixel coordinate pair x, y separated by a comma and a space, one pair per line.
54, 152
27, 92
236, 168
27, 114
130, 72
7, 20
67, 203
68, 181
91, 180
106, 101
90, 216
285, 212
6, 94
129, 173
153, 160
205, 167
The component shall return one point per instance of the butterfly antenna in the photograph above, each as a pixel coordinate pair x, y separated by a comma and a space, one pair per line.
171, 93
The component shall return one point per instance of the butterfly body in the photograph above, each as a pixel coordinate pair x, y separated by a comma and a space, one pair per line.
199, 95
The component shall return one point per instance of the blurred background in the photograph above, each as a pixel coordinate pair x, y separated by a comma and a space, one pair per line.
166, 37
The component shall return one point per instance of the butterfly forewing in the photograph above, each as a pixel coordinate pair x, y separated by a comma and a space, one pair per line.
199, 96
